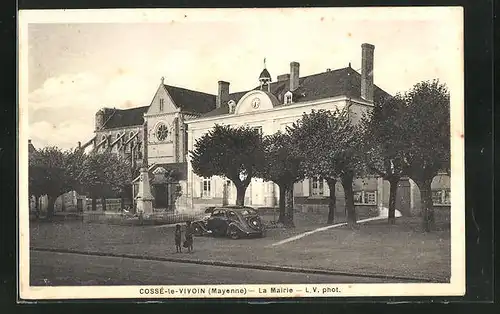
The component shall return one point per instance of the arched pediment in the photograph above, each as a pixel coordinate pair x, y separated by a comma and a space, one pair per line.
254, 101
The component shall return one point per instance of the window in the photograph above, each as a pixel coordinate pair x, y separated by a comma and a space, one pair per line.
317, 186
162, 103
104, 141
218, 213
441, 197
258, 129
232, 106
162, 132
248, 211
206, 188
232, 215
288, 98
365, 197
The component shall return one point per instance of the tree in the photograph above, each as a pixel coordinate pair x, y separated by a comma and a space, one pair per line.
383, 145
283, 168
105, 174
427, 138
234, 153
326, 141
52, 173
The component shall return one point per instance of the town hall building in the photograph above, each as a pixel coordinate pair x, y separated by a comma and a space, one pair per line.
161, 135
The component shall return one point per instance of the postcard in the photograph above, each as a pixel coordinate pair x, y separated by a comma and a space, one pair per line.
241, 153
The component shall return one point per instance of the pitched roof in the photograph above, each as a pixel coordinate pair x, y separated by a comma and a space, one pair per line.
190, 100
118, 118
341, 82
264, 74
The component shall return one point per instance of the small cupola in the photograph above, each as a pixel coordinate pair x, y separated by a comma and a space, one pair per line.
265, 78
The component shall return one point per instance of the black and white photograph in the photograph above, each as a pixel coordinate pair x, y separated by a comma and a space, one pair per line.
241, 153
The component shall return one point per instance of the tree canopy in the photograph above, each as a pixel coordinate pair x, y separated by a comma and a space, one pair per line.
328, 143
282, 167
231, 152
383, 143
53, 172
427, 139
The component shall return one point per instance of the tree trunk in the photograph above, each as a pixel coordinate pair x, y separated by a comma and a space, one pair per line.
393, 188
347, 181
50, 206
94, 203
281, 217
289, 206
103, 204
424, 186
332, 202
240, 195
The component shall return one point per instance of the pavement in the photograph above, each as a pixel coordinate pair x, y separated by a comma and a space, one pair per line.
49, 268
376, 250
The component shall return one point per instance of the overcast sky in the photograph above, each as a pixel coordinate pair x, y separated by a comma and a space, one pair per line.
75, 69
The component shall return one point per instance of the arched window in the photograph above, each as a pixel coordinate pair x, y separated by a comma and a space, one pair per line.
288, 98
232, 106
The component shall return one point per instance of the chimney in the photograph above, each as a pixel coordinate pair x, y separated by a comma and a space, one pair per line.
367, 71
29, 142
222, 94
294, 75
283, 77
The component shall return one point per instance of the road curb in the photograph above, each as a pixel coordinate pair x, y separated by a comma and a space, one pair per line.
289, 269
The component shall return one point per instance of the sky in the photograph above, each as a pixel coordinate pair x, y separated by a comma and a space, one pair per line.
79, 62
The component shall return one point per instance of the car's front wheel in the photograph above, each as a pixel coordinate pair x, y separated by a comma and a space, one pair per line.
233, 232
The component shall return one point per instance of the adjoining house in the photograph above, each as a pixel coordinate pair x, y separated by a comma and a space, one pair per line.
161, 134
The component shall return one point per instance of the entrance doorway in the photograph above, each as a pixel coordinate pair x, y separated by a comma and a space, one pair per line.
161, 199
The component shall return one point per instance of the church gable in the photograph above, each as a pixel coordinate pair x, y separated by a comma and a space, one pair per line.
162, 102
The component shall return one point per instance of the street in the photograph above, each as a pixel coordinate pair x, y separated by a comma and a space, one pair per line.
56, 269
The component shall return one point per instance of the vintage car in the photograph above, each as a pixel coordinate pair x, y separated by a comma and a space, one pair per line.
232, 221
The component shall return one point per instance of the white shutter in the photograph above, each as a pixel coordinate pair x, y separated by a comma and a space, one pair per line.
326, 189
305, 187
197, 186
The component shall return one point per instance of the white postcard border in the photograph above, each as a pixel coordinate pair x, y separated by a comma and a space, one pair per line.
456, 287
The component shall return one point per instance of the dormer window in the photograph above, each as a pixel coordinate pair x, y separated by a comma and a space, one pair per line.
232, 106
162, 103
288, 98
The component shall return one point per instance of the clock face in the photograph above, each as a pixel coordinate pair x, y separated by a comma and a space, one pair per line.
255, 103
162, 132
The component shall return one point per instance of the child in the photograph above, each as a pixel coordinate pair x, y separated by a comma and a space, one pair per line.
189, 237
178, 237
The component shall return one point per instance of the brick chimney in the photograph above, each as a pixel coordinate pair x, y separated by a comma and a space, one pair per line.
294, 75
222, 94
283, 77
367, 71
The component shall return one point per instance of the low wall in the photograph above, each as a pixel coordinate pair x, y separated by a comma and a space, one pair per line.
159, 218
